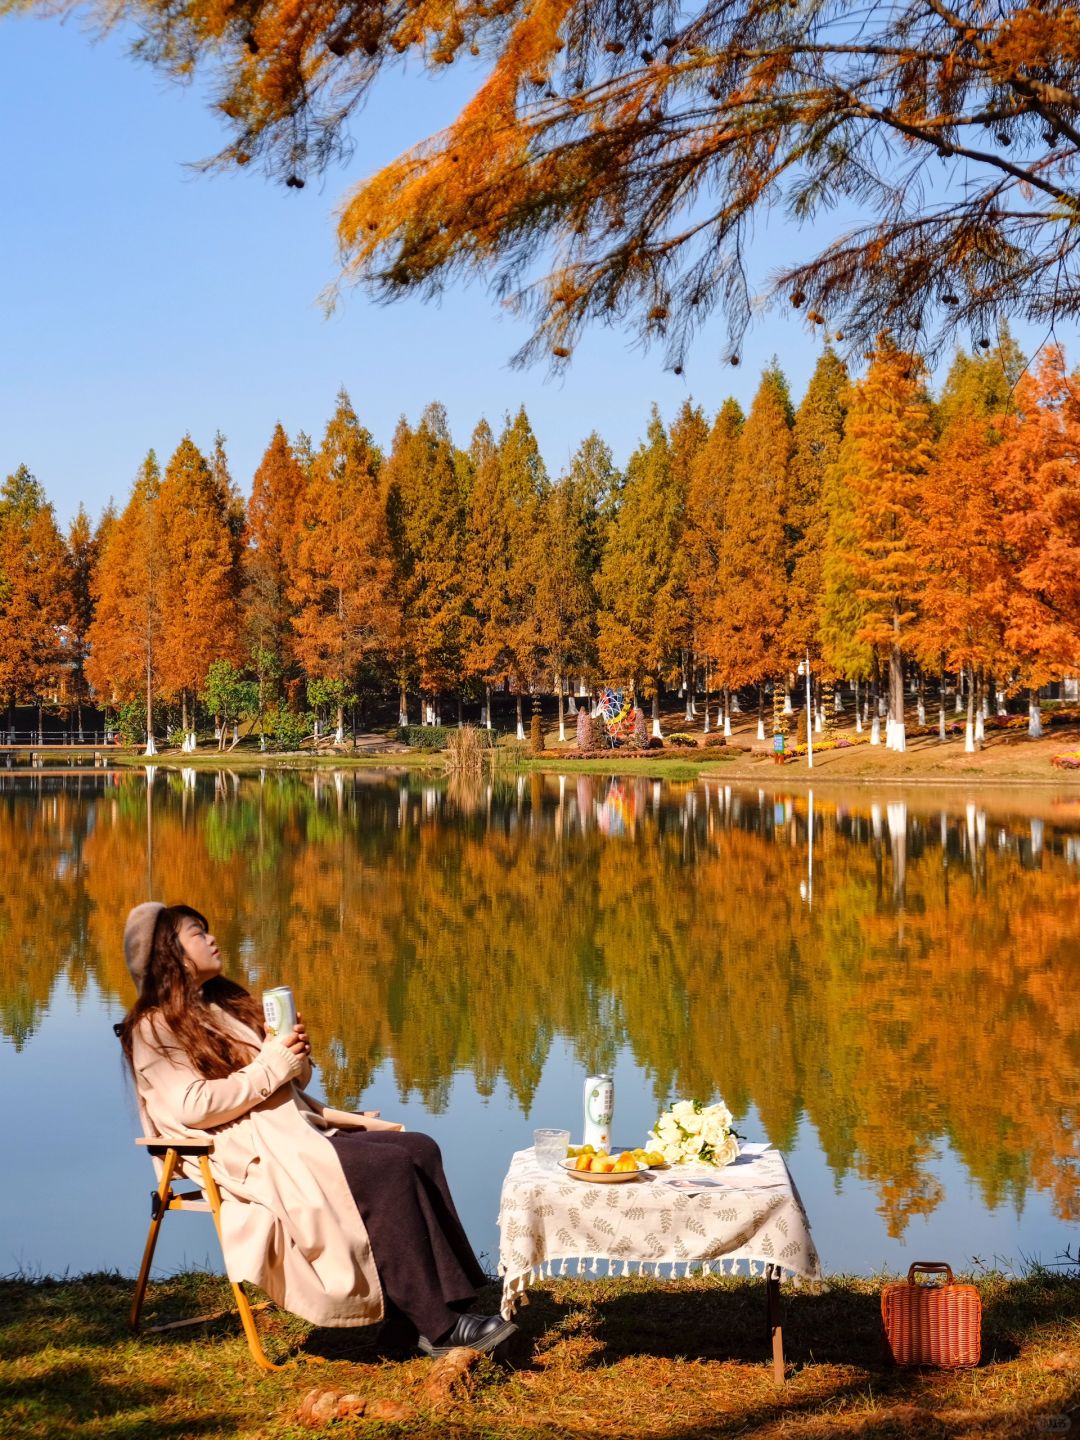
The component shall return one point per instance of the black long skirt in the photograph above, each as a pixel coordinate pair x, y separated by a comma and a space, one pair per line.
426, 1266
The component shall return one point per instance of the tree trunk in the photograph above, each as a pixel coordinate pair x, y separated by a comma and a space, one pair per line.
657, 732
705, 728
562, 712
727, 712
941, 708
487, 706
858, 710
151, 748
1035, 728
460, 710
402, 706
339, 733
520, 723
969, 723
921, 692
981, 703
896, 696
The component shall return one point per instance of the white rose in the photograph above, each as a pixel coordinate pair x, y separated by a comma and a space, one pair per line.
727, 1151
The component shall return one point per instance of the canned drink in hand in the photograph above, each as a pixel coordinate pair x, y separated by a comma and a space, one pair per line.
279, 1010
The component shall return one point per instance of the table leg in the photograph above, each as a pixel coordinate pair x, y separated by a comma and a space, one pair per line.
776, 1332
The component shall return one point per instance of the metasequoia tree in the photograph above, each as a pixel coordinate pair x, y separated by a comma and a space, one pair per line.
82, 556
752, 570
425, 510
704, 544
34, 594
129, 597
818, 431
642, 602
268, 558
347, 612
565, 598
1038, 485
199, 538
688, 434
502, 516
967, 573
884, 457
637, 144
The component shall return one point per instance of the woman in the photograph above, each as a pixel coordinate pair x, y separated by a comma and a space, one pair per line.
342, 1219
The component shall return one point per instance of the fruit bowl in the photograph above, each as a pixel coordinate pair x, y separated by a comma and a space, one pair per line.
601, 1177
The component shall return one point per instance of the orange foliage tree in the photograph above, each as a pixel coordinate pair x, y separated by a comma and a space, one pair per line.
347, 611
1038, 485
268, 559
34, 595
200, 610
707, 503
884, 457
638, 145
129, 596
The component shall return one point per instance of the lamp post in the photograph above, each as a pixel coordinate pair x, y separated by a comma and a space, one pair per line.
804, 669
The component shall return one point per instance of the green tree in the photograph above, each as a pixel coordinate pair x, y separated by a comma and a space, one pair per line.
229, 696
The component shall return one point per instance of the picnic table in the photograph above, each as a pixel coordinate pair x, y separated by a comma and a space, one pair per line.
747, 1215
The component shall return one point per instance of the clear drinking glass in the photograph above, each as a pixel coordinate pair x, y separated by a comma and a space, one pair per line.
550, 1147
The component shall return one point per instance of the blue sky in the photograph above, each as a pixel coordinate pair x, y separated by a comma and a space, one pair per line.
140, 301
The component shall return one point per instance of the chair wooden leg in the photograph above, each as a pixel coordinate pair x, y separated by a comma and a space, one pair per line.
167, 1172
776, 1332
243, 1304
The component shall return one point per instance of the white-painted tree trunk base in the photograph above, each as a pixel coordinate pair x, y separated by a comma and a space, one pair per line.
151, 748
969, 738
1035, 727
899, 736
562, 732
727, 726
339, 735
402, 717
788, 707
958, 707
941, 724
736, 708
706, 727
980, 728
875, 730
888, 732
858, 722
922, 713
520, 731
761, 729
881, 707
984, 713
819, 723
657, 734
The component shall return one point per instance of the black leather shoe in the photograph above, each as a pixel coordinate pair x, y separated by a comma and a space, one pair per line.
475, 1332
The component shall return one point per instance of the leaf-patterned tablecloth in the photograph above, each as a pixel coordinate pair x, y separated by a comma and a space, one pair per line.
749, 1214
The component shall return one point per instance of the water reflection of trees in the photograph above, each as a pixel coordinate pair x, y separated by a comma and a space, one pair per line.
918, 991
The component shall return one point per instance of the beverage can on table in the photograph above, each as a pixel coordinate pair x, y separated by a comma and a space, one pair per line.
599, 1111
279, 1010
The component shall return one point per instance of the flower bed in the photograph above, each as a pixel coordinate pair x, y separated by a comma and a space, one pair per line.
1070, 760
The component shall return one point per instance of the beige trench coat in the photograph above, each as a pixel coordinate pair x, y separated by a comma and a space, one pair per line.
289, 1221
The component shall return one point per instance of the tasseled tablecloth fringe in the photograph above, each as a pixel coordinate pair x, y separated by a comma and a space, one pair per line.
669, 1268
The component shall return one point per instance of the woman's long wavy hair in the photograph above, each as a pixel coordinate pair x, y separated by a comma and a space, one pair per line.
170, 994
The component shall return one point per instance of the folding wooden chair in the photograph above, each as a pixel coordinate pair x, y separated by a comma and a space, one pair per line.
206, 1198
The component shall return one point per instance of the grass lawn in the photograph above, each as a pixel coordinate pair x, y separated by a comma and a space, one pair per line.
622, 1357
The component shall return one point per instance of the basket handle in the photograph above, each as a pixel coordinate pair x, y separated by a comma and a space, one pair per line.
930, 1267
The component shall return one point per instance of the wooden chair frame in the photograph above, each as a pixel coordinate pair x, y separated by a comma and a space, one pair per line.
207, 1198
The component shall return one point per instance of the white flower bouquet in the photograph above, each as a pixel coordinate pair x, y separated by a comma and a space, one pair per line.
691, 1133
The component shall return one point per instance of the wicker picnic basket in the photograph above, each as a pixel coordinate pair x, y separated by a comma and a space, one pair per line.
932, 1324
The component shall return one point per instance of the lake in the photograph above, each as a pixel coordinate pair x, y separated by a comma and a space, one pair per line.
882, 984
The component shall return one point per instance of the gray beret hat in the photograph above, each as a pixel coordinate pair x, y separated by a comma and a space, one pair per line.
138, 938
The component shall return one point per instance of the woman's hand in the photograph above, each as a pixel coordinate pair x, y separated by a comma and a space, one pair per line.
297, 1040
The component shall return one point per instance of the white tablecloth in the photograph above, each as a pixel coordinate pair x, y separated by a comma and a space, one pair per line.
745, 1214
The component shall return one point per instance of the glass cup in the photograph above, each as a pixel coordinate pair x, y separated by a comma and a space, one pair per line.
550, 1147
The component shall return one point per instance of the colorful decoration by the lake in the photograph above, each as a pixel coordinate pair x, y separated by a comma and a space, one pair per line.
615, 709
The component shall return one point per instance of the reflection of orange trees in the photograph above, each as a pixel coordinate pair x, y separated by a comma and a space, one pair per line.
446, 938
